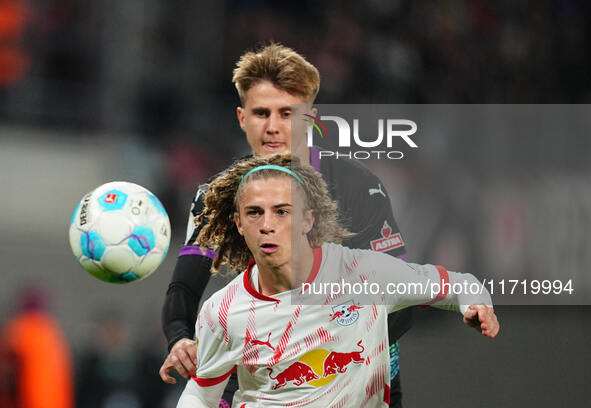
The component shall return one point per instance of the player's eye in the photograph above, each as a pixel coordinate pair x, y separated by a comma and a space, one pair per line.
282, 212
253, 213
263, 113
286, 114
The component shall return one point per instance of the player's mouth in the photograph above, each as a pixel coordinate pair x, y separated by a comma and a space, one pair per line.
274, 146
269, 248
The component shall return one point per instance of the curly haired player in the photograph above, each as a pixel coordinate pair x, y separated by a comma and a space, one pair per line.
273, 218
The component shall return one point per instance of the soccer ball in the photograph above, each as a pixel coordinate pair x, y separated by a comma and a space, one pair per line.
120, 232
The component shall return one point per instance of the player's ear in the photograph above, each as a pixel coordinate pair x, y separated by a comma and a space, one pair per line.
238, 223
240, 116
308, 220
314, 112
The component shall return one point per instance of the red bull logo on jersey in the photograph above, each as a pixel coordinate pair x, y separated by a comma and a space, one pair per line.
388, 241
298, 373
338, 362
317, 367
345, 314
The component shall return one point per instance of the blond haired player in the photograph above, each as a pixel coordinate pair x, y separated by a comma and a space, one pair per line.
269, 82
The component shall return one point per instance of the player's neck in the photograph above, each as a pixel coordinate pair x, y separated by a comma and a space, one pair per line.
282, 278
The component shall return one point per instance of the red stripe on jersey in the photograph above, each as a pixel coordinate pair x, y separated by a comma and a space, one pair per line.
318, 337
387, 394
286, 336
225, 306
315, 265
250, 354
252, 290
208, 382
444, 285
375, 384
209, 318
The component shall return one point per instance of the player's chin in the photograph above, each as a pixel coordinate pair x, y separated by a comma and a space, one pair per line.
273, 149
273, 260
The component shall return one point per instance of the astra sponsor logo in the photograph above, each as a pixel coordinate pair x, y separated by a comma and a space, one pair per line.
317, 367
387, 131
388, 241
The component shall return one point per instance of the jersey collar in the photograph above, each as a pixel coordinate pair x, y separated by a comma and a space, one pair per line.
248, 273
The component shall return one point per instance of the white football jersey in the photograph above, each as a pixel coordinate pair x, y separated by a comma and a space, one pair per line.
331, 351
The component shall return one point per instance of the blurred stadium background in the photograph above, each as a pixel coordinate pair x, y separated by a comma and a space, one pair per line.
141, 91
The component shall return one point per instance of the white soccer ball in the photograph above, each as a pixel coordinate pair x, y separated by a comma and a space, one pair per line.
120, 232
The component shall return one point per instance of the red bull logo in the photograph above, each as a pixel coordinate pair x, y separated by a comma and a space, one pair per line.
298, 373
317, 367
346, 313
338, 362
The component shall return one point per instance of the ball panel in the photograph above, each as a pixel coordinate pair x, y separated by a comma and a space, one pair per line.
75, 213
157, 204
74, 235
127, 277
112, 200
141, 240
92, 245
149, 264
163, 235
95, 270
114, 227
118, 260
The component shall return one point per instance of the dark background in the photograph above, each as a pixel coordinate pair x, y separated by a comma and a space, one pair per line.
141, 91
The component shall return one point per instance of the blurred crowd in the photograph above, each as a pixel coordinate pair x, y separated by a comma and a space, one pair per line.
161, 70
157, 75
110, 368
155, 67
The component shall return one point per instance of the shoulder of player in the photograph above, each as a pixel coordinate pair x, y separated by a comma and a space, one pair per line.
229, 291
332, 252
346, 170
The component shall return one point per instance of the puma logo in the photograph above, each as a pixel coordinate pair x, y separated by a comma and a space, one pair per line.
264, 343
378, 190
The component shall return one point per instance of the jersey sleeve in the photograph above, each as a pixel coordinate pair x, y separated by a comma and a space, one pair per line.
194, 396
189, 279
406, 284
197, 207
215, 363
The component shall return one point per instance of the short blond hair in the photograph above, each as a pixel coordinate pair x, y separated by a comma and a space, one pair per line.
280, 65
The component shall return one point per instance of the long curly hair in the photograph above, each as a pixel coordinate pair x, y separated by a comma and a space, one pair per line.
223, 197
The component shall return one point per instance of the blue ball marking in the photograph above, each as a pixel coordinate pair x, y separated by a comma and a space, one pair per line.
112, 200
75, 213
92, 245
157, 204
141, 240
128, 277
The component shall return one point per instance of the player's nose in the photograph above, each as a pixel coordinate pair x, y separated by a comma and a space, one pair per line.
267, 224
273, 123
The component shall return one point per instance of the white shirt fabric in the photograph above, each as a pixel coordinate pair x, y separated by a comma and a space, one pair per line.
331, 354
